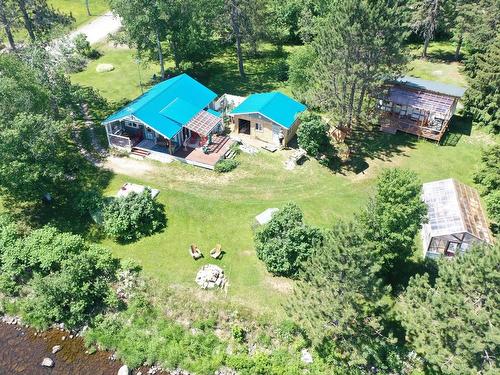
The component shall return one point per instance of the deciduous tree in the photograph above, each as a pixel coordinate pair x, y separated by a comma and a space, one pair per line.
286, 241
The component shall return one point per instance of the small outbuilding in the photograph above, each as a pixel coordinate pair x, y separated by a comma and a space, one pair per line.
418, 106
269, 117
456, 219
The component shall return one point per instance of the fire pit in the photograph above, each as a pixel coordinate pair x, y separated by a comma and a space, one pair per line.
211, 276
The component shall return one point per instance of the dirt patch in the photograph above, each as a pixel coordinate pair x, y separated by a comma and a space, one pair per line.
280, 284
128, 166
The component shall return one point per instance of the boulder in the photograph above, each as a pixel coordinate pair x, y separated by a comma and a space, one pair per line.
47, 362
56, 348
306, 357
103, 68
123, 370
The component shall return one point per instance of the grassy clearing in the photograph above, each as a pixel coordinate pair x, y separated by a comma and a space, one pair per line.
439, 66
206, 209
78, 10
221, 74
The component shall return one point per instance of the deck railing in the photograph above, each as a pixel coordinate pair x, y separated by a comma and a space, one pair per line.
120, 141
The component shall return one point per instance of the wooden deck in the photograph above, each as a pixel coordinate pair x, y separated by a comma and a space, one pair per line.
393, 123
219, 146
195, 156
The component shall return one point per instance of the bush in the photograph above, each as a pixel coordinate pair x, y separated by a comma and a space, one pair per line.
226, 165
58, 277
83, 48
239, 334
286, 241
312, 135
132, 217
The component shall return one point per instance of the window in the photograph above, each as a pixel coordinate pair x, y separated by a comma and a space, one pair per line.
131, 124
258, 127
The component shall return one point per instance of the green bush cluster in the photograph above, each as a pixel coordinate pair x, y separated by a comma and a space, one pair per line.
129, 218
54, 276
226, 165
286, 241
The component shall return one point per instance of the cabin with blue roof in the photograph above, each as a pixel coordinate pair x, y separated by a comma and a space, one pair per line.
418, 106
174, 118
270, 117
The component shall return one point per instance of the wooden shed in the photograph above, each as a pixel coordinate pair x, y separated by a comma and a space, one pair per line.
418, 106
269, 117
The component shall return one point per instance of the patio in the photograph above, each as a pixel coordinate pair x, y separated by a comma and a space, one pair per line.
195, 156
216, 151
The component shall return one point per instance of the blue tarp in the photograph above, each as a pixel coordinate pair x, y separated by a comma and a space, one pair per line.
276, 106
168, 106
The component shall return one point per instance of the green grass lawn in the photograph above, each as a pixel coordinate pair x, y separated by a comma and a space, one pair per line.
205, 208
79, 11
220, 74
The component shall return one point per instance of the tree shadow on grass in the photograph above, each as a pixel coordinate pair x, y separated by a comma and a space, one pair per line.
66, 211
459, 126
264, 72
369, 143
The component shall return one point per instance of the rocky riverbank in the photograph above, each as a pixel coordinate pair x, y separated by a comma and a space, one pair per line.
22, 351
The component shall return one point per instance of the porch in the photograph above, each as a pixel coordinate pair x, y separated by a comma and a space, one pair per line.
204, 156
391, 123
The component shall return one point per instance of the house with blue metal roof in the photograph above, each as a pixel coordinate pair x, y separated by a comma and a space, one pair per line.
418, 106
172, 118
271, 117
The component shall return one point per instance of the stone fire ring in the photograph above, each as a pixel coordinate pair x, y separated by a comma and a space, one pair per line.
211, 276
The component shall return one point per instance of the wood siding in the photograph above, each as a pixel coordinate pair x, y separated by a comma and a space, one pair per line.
266, 134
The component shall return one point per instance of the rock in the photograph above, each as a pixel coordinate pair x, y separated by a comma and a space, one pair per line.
63, 338
56, 348
305, 356
210, 276
47, 362
124, 370
103, 68
71, 336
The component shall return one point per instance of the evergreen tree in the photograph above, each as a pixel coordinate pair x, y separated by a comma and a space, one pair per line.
453, 324
358, 46
338, 301
426, 16
487, 176
482, 99
393, 218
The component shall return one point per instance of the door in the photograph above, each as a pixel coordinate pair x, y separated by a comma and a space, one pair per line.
276, 134
149, 134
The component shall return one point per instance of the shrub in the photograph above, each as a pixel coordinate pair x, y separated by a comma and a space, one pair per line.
312, 135
286, 241
58, 277
83, 48
134, 216
226, 165
239, 334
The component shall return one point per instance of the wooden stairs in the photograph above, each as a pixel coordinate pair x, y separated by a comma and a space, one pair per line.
139, 152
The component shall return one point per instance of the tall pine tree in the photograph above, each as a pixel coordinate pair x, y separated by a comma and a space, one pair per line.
453, 324
358, 45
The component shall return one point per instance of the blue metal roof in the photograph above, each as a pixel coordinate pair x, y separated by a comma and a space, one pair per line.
168, 105
438, 87
276, 106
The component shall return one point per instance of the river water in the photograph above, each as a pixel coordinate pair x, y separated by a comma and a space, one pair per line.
21, 352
